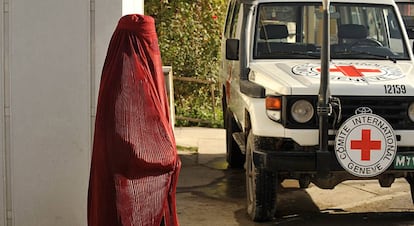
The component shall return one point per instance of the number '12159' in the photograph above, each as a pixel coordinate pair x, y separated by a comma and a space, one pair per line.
395, 89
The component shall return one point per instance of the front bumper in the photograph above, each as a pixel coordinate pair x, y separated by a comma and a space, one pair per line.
307, 161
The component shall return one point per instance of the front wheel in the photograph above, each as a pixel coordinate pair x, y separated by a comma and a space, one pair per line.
260, 186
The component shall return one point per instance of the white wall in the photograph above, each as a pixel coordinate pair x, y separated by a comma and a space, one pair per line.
50, 114
2, 119
52, 52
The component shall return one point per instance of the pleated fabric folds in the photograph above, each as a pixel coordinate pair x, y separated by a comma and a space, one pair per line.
135, 166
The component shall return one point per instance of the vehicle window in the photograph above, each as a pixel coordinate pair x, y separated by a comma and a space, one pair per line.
407, 12
229, 18
357, 31
234, 21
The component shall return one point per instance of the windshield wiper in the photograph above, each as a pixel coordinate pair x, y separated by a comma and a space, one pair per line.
355, 52
308, 54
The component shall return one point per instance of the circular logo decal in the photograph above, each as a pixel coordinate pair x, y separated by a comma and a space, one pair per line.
356, 72
365, 145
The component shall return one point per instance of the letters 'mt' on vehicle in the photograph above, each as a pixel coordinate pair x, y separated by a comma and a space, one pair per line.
271, 81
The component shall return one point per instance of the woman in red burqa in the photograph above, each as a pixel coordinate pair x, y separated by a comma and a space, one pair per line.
135, 165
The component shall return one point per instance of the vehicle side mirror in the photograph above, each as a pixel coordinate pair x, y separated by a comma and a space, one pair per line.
232, 49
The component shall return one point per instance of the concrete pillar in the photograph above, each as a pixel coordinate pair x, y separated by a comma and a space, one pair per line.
49, 153
51, 58
4, 111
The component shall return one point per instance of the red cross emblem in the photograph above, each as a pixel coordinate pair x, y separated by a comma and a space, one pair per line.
351, 70
366, 145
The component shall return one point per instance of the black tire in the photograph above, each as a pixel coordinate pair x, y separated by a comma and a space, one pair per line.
260, 187
235, 158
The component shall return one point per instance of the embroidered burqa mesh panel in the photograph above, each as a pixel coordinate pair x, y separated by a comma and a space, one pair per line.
135, 166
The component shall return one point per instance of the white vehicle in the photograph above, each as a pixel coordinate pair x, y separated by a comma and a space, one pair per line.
277, 122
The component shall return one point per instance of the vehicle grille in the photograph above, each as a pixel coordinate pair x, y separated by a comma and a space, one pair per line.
392, 109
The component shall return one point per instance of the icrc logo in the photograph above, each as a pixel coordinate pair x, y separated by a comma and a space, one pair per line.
365, 145
355, 72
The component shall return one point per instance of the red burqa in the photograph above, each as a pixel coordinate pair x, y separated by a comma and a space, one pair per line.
135, 165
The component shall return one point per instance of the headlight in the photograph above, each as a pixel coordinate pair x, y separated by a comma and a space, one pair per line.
411, 112
302, 111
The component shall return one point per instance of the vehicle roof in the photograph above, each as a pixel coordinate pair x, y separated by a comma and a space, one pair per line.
408, 1
389, 2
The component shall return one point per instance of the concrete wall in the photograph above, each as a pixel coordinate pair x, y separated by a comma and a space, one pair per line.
52, 52
3, 118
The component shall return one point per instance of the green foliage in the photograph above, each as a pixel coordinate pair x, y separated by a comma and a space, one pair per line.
189, 33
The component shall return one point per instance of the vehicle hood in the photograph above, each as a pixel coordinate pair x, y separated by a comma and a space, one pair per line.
367, 78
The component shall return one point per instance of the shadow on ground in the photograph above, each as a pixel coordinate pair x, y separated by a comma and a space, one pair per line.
209, 193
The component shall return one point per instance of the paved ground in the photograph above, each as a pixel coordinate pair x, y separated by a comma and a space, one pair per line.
209, 194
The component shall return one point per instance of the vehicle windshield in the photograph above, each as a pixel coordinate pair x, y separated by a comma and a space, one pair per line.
357, 31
